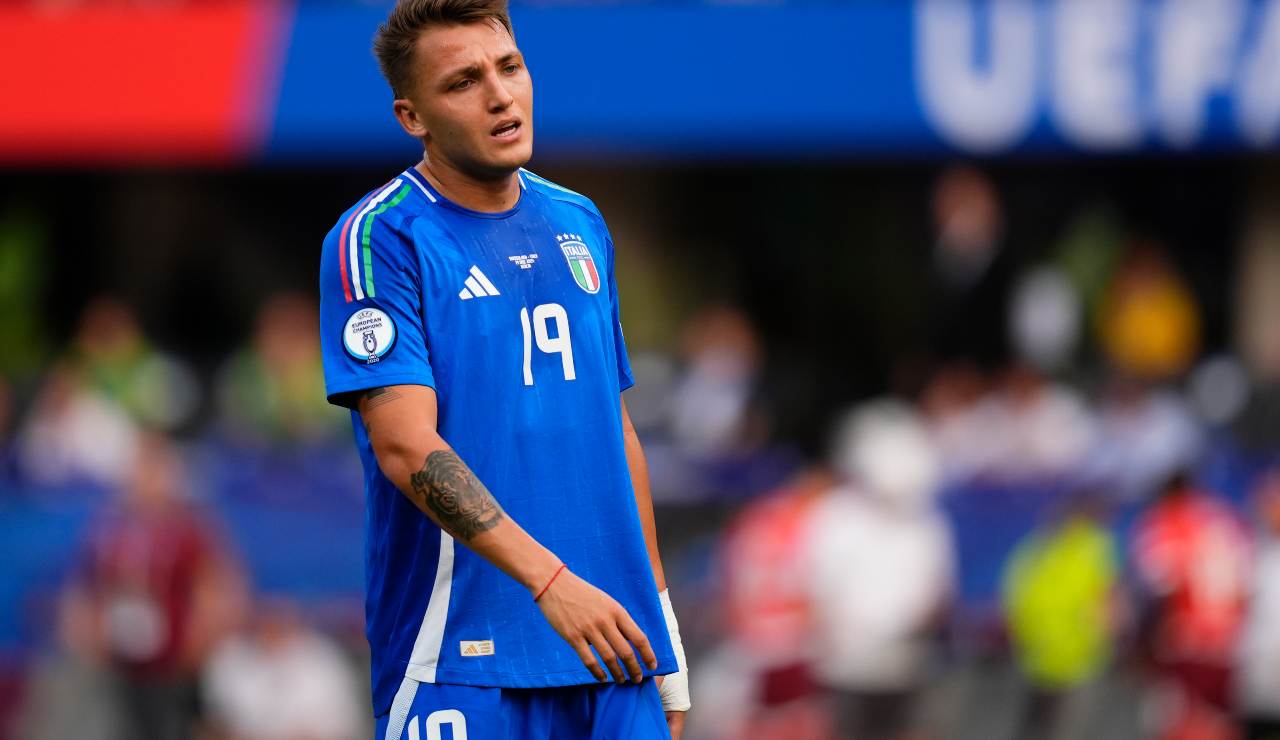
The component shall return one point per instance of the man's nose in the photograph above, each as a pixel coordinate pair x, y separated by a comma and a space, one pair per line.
499, 97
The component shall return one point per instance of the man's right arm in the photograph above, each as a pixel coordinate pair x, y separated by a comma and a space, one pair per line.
401, 424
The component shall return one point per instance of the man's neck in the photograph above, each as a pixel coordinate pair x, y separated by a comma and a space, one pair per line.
486, 196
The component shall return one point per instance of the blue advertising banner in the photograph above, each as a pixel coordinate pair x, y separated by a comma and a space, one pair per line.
872, 78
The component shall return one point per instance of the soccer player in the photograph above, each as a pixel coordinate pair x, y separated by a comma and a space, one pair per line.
469, 317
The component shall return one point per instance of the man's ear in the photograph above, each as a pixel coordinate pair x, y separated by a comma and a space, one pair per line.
408, 117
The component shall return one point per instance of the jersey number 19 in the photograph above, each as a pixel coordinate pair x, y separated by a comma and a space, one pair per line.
561, 342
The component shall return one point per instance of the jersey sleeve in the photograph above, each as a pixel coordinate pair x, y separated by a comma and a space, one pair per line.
625, 377
371, 328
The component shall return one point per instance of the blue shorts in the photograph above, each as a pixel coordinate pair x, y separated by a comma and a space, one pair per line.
430, 711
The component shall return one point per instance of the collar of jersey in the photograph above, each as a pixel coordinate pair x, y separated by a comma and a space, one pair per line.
439, 199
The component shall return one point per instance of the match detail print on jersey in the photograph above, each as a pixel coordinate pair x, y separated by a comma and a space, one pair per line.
581, 263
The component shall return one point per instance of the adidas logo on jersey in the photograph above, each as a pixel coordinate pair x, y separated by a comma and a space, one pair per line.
478, 286
475, 648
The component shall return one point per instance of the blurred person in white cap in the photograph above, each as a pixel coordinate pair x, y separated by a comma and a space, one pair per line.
882, 570
281, 679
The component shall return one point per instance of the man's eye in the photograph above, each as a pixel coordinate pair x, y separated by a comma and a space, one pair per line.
462, 84
511, 68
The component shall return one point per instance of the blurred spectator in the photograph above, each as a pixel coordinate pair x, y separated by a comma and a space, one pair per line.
1059, 588
273, 389
765, 559
1026, 429
1088, 251
882, 571
1192, 558
73, 435
712, 404
281, 680
82, 425
110, 357
954, 402
1150, 322
1257, 330
1258, 691
971, 272
1035, 430
1145, 436
1257, 294
155, 591
1045, 319
1220, 390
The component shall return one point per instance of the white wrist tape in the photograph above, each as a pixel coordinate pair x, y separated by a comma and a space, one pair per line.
675, 687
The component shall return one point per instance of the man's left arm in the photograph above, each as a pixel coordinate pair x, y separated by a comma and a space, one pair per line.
675, 687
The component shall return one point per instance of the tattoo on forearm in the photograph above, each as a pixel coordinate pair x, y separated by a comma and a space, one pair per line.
461, 502
375, 397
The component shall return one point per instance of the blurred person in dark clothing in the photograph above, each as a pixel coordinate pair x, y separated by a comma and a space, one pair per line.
712, 404
972, 277
1257, 329
1192, 557
1258, 656
272, 390
155, 590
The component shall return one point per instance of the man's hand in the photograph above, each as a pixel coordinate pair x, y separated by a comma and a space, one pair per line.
586, 618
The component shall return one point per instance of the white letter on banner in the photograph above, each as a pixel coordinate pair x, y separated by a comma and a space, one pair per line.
986, 109
1258, 93
1195, 47
1095, 72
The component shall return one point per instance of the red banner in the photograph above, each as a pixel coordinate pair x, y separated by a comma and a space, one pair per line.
128, 83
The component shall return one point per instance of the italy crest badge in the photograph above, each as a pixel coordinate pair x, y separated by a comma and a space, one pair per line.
581, 264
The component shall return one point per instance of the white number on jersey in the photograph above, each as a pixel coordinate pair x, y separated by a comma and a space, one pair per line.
438, 719
561, 343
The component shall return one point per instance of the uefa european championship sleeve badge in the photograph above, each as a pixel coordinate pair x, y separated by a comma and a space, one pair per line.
369, 335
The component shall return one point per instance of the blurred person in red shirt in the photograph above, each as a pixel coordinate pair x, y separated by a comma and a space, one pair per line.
758, 684
154, 592
1192, 556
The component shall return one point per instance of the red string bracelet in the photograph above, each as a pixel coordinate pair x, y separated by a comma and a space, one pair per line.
553, 578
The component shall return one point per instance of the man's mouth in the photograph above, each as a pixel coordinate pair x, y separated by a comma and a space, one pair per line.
506, 129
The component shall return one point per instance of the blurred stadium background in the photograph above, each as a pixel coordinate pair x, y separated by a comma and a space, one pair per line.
956, 324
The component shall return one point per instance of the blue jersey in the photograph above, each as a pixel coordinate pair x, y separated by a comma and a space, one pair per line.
513, 319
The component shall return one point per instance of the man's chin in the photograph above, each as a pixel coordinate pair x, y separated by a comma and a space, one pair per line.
512, 157
498, 168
